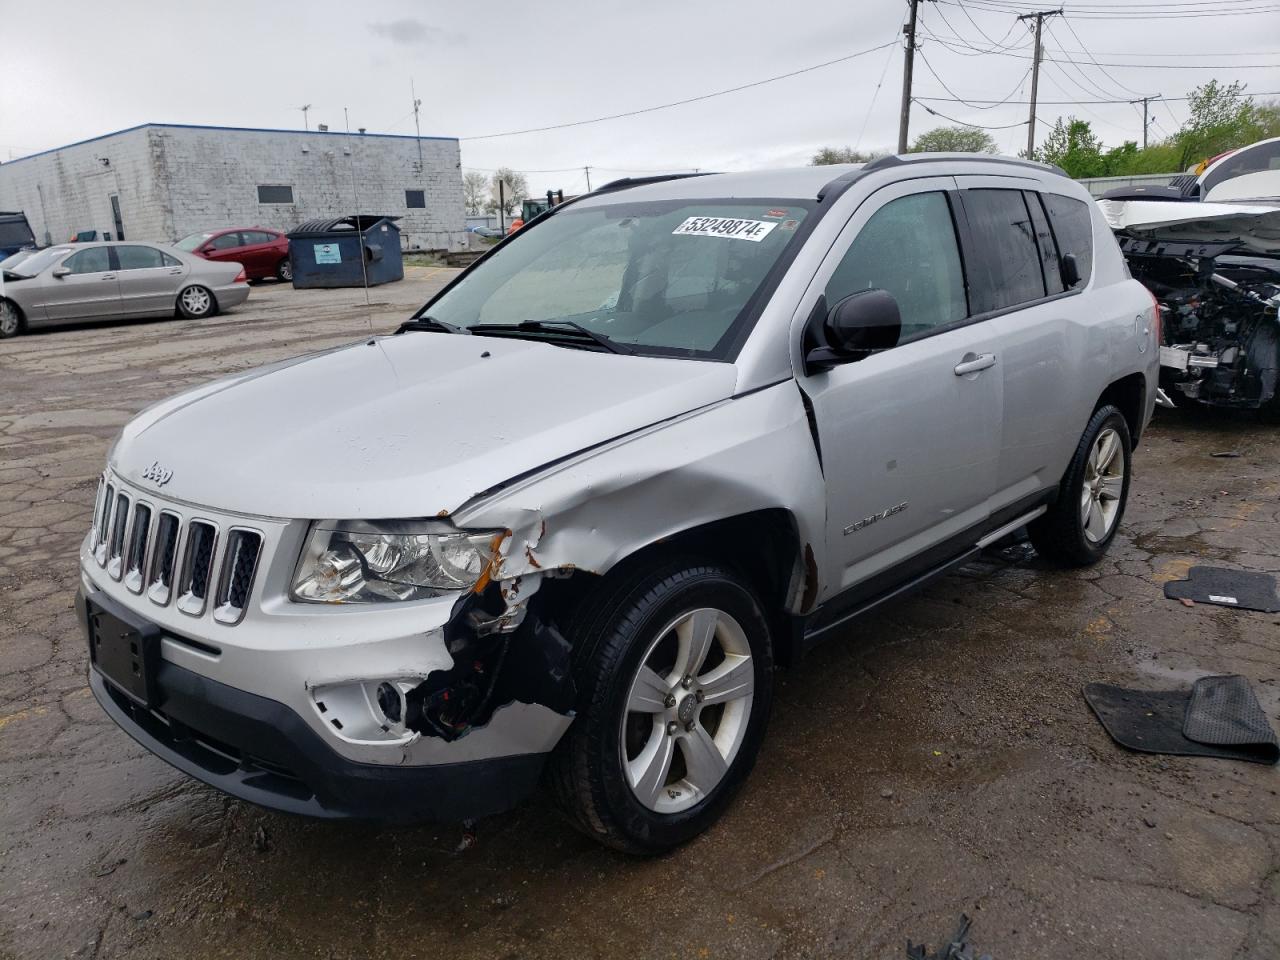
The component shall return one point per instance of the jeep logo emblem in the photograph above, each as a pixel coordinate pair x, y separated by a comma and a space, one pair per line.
158, 474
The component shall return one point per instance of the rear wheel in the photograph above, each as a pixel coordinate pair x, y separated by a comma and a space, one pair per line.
11, 322
196, 302
675, 679
1081, 523
284, 271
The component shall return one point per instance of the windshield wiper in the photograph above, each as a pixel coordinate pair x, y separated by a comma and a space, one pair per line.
432, 324
565, 330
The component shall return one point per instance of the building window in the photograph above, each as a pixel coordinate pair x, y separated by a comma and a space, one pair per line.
415, 199
269, 194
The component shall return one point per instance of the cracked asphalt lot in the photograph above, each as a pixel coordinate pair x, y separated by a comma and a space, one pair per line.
934, 760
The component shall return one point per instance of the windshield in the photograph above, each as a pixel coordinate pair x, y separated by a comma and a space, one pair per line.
671, 278
15, 233
37, 262
190, 242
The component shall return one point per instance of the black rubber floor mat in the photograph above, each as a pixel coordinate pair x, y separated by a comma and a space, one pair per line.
1227, 588
1222, 712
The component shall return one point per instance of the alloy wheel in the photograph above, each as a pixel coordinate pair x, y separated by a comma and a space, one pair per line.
196, 299
1102, 487
8, 319
687, 710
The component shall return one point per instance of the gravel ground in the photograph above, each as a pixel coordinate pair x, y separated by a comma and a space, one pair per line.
936, 759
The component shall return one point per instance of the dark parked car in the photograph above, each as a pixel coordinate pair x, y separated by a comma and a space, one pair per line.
15, 233
262, 252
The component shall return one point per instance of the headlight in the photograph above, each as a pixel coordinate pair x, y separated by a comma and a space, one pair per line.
359, 561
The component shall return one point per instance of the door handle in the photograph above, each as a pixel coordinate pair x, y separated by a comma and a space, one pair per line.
972, 363
108, 276
176, 273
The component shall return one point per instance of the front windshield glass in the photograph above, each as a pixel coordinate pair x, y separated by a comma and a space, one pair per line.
669, 278
37, 262
189, 243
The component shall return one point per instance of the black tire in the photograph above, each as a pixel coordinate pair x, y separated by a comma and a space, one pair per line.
196, 302
612, 632
1060, 535
12, 322
284, 271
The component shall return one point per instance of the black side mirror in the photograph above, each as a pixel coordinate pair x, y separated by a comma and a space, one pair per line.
1070, 270
861, 324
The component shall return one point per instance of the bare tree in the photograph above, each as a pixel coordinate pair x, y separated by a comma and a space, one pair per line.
475, 192
515, 188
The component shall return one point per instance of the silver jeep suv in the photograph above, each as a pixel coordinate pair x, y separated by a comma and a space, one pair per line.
563, 524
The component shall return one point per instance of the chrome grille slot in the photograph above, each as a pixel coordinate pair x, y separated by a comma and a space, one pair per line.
164, 559
197, 564
104, 526
136, 556
238, 567
98, 512
115, 543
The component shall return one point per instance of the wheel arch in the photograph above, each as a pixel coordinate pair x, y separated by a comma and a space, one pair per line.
1129, 395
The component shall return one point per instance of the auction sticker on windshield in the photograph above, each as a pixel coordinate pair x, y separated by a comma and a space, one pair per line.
731, 227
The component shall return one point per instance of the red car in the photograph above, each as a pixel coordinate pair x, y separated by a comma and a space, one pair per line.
262, 252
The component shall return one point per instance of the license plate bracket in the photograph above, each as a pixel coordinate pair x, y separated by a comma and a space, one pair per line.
124, 652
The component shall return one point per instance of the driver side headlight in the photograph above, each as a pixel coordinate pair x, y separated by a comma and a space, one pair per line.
374, 561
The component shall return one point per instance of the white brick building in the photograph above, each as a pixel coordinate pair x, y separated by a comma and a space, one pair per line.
161, 181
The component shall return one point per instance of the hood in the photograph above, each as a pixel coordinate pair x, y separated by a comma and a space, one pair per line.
1255, 225
404, 426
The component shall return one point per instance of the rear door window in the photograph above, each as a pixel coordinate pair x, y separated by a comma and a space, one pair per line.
1004, 264
139, 258
1047, 245
909, 249
1073, 230
228, 241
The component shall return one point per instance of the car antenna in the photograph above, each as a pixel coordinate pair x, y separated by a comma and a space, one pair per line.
355, 199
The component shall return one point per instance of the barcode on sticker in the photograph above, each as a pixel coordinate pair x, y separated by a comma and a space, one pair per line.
731, 227
1213, 599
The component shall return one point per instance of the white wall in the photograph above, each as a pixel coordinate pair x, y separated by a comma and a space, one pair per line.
175, 180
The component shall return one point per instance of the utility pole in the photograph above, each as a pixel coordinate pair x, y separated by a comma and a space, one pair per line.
417, 129
904, 118
587, 171
1035, 74
304, 108
1145, 101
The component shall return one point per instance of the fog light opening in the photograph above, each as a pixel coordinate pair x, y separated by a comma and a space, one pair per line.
390, 702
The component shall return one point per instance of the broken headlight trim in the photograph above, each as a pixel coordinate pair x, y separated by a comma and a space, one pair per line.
380, 561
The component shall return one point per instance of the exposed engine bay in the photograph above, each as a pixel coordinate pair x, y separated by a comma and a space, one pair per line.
1214, 270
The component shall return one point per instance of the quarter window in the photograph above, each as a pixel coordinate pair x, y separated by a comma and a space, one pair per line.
93, 260
415, 199
909, 249
1006, 261
275, 194
139, 258
1073, 229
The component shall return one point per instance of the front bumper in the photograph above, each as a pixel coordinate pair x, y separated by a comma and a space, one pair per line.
262, 751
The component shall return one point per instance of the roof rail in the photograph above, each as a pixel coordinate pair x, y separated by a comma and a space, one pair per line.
628, 182
897, 160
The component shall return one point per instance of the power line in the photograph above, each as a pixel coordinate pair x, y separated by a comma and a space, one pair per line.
1095, 60
946, 41
970, 45
976, 126
988, 106
1114, 14
1068, 103
680, 103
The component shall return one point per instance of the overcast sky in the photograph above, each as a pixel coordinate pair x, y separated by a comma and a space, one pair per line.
74, 70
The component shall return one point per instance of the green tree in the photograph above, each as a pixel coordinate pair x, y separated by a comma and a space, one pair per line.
1073, 146
829, 155
1221, 118
475, 191
954, 140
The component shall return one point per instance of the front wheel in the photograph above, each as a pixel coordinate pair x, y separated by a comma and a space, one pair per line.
196, 302
10, 319
1080, 524
675, 678
284, 271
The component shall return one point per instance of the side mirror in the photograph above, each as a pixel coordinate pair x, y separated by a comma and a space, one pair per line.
1070, 270
861, 324
60, 272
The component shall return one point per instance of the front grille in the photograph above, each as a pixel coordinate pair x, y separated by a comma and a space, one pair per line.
136, 557
238, 568
197, 562
156, 550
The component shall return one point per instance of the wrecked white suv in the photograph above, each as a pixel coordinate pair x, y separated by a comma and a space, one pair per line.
565, 522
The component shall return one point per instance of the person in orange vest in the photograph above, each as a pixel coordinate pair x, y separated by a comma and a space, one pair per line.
516, 224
